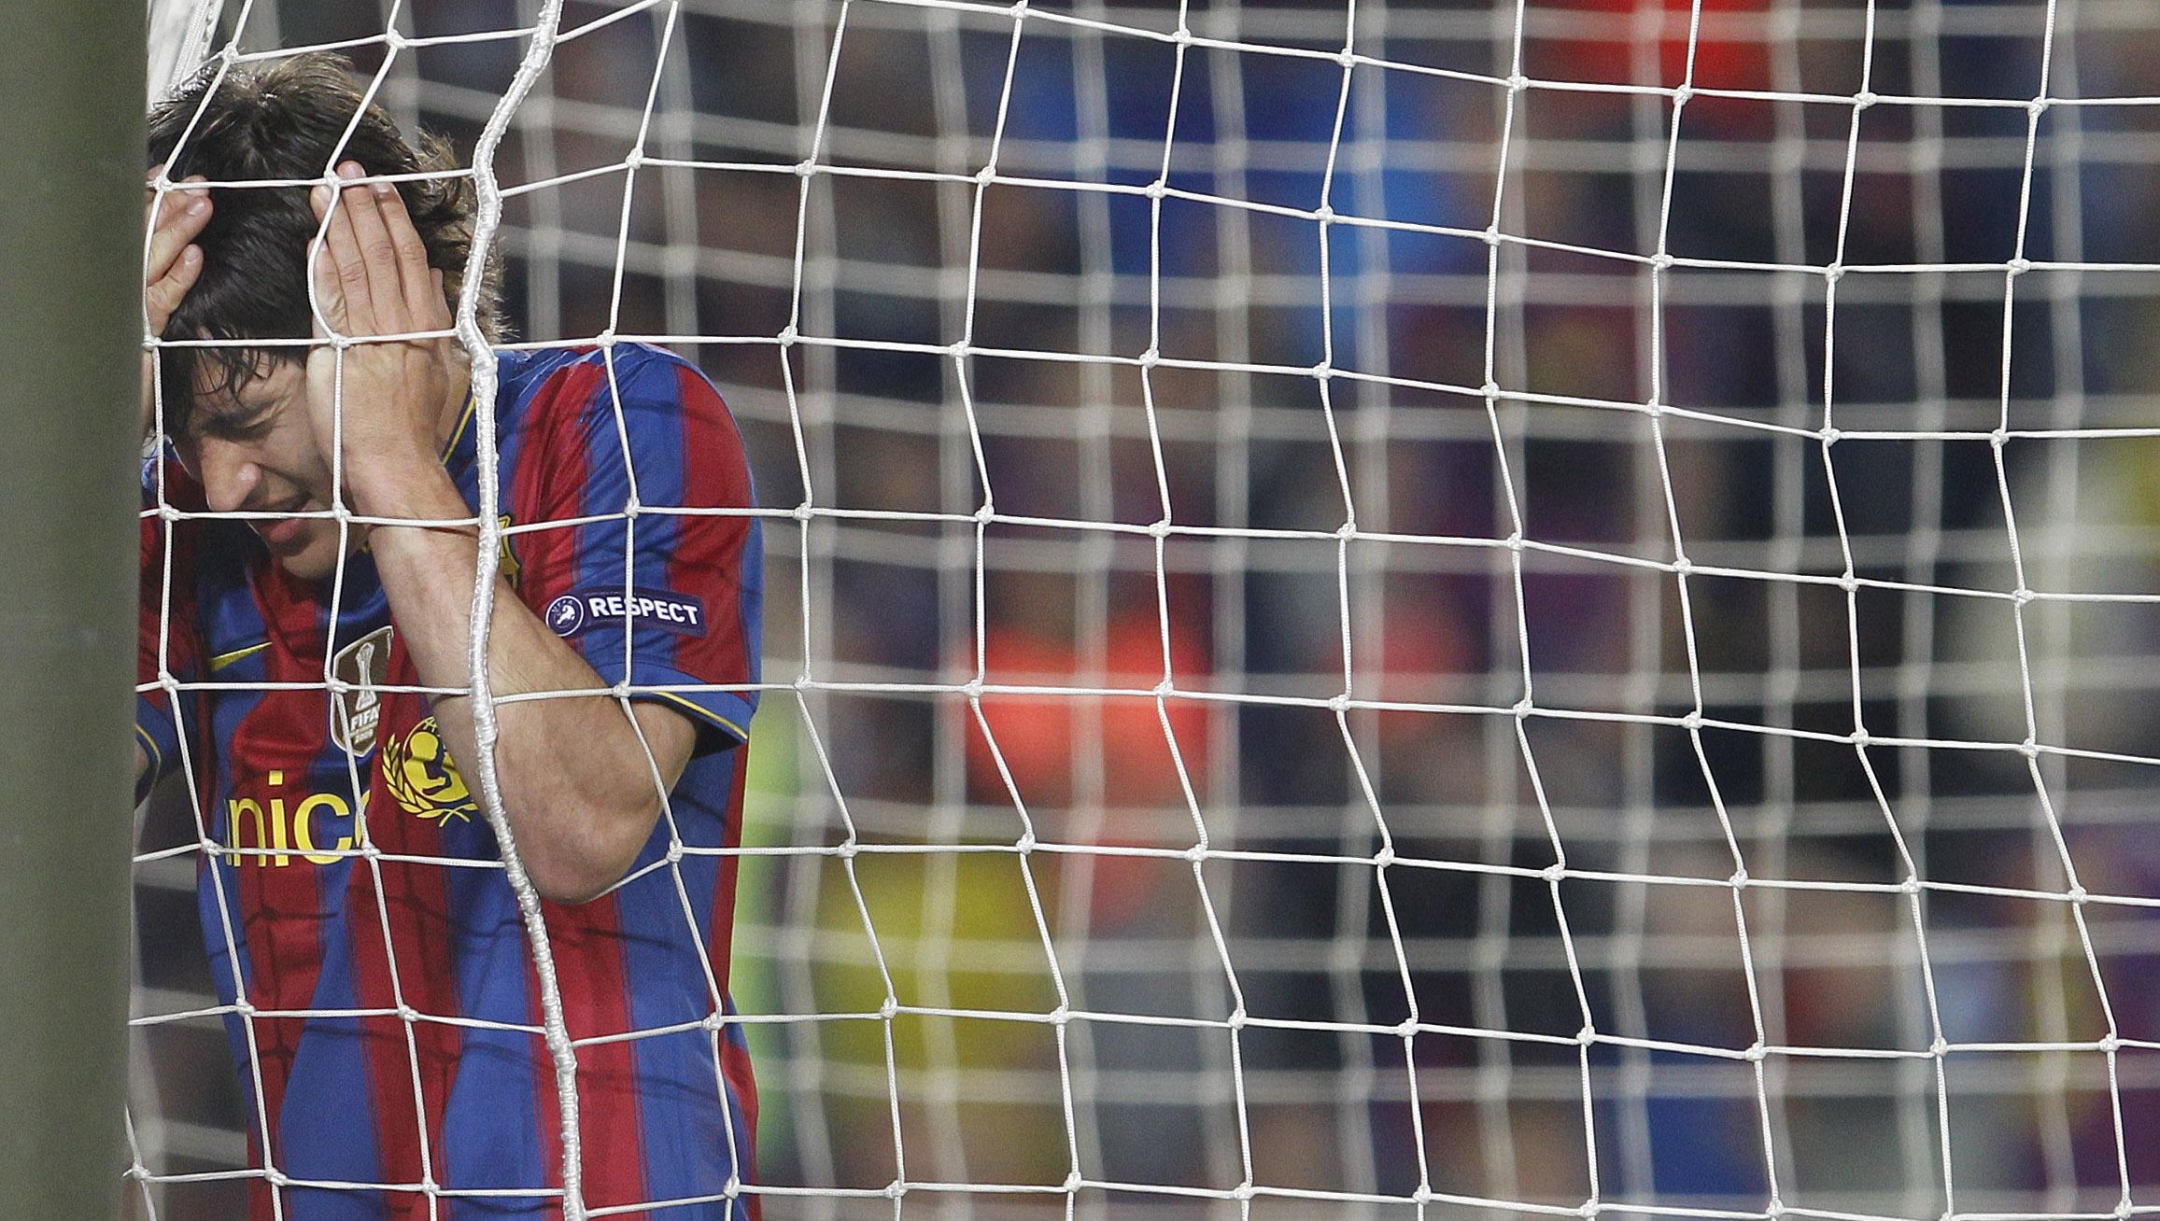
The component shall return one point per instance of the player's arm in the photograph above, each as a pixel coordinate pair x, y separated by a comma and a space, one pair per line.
580, 790
581, 781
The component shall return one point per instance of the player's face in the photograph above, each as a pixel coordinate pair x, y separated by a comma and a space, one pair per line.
255, 450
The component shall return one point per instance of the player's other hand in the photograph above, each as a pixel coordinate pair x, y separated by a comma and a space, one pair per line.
170, 267
383, 405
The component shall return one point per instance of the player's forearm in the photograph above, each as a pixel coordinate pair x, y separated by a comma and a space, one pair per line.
576, 780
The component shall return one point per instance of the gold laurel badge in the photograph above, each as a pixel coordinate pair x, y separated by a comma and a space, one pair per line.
419, 773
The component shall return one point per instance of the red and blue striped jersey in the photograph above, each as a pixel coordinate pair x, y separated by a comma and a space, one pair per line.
386, 1014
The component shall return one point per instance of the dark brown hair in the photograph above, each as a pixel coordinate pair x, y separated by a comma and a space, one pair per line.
287, 119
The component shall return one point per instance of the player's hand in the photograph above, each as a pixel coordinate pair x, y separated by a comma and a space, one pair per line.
384, 407
171, 267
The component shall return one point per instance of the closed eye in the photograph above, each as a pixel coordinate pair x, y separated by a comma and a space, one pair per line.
236, 427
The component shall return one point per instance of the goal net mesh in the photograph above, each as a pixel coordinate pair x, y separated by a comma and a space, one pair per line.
1380, 610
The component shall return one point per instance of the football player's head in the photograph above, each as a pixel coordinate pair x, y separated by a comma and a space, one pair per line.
238, 413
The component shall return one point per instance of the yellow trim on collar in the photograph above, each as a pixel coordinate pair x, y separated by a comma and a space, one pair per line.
457, 434
223, 660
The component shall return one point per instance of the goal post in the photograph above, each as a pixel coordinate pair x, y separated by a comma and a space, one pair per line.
70, 294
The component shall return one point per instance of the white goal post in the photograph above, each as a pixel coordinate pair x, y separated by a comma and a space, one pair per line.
1372, 610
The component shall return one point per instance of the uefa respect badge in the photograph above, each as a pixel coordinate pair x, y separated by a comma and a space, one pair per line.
667, 610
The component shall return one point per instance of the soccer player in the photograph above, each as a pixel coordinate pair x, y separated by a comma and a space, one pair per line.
386, 1016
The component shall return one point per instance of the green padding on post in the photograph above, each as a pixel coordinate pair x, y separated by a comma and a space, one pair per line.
71, 134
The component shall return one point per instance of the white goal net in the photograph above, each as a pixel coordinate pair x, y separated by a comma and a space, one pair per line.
1376, 610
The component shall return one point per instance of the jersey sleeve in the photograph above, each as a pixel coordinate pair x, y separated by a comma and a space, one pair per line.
166, 637
660, 578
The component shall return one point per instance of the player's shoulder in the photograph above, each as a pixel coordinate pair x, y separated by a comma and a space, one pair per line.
584, 413
560, 384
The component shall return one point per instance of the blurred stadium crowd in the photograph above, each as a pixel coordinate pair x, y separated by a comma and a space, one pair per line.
1135, 359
